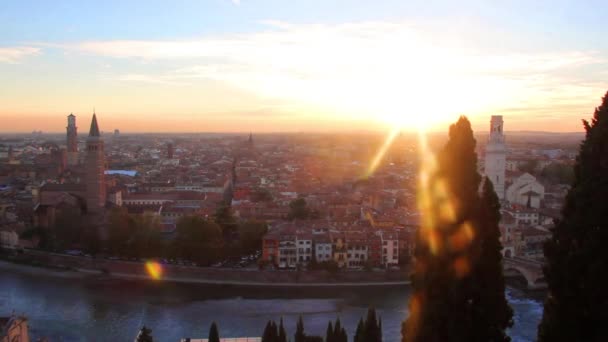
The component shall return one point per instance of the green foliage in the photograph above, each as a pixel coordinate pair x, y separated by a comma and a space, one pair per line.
68, 228
144, 335
197, 240
250, 235
491, 314
558, 173
577, 257
214, 335
298, 209
529, 166
145, 241
225, 219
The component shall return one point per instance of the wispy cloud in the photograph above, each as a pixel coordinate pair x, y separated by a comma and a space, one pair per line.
17, 53
378, 68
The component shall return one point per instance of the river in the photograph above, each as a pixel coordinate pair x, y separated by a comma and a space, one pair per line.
76, 309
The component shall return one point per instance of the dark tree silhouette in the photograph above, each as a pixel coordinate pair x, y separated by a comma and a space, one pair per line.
214, 335
299, 335
441, 304
577, 257
491, 314
144, 335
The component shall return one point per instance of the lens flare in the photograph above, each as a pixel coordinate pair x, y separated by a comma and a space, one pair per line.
154, 269
381, 152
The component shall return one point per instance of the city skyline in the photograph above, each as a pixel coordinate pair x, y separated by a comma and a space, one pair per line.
240, 66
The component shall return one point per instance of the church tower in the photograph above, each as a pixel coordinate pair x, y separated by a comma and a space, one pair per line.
496, 156
95, 170
72, 140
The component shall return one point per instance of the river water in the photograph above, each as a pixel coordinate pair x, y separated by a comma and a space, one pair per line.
74, 309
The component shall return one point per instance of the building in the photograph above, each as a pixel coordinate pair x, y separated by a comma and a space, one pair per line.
95, 170
496, 155
526, 191
287, 252
390, 248
304, 248
170, 151
357, 250
14, 329
72, 141
322, 246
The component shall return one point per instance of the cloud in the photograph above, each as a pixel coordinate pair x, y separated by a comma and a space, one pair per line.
364, 68
236, 2
17, 53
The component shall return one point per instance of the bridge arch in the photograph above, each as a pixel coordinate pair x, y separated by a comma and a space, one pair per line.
530, 270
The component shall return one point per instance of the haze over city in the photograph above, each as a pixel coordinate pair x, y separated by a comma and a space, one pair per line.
307, 171
262, 66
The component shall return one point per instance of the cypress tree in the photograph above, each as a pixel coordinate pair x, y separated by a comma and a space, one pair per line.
371, 326
299, 335
379, 338
342, 337
337, 329
282, 335
329, 334
440, 305
491, 314
360, 333
214, 335
577, 257
145, 335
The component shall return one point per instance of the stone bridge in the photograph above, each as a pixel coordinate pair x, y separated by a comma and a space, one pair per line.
531, 270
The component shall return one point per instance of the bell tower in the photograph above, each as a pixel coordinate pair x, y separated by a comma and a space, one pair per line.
496, 156
95, 170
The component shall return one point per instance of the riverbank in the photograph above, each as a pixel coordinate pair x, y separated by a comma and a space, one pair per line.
59, 265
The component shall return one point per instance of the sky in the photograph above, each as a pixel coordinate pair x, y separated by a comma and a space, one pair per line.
270, 66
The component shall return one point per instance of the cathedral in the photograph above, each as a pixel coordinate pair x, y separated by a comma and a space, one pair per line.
88, 196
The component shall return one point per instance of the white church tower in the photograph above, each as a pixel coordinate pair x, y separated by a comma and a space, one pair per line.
496, 156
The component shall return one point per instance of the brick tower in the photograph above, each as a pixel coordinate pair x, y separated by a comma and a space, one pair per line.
72, 141
95, 170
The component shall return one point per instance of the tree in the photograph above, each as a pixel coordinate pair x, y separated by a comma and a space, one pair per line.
198, 240
360, 333
214, 335
118, 230
530, 166
68, 227
370, 329
225, 219
491, 314
440, 306
271, 333
144, 335
251, 234
558, 173
145, 239
329, 334
298, 209
577, 258
299, 335
282, 333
